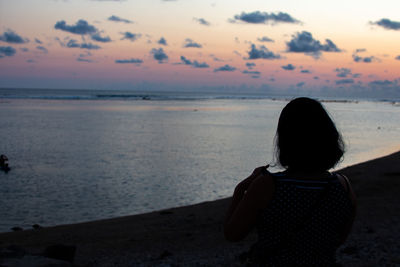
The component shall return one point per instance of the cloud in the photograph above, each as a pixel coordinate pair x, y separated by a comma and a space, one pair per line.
7, 51
118, 19
288, 67
38, 41
82, 27
303, 42
305, 71
202, 21
253, 72
261, 52
74, 44
343, 72
265, 39
130, 36
195, 63
129, 61
162, 41
300, 84
258, 17
250, 65
81, 59
189, 43
383, 83
13, 38
159, 55
387, 24
358, 58
97, 37
398, 57
344, 81
42, 48
225, 68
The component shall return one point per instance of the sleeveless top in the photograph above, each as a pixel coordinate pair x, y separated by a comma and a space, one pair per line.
294, 203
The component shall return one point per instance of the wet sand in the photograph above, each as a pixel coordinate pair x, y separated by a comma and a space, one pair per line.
192, 235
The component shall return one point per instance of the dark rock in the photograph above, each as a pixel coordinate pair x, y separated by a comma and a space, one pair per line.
17, 228
60, 252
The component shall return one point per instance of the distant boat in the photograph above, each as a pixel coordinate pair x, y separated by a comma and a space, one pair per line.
4, 163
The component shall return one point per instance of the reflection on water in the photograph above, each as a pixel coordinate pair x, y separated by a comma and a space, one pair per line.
80, 160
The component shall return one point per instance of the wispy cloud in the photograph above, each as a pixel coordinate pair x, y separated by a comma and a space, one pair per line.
159, 55
7, 51
258, 17
82, 27
97, 37
358, 58
398, 57
38, 41
225, 68
343, 72
202, 21
42, 48
74, 44
303, 42
305, 71
387, 24
250, 65
194, 63
254, 72
265, 39
13, 38
118, 19
344, 81
261, 52
288, 67
129, 61
300, 84
190, 43
130, 36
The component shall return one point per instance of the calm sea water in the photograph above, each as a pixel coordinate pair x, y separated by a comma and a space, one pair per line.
83, 157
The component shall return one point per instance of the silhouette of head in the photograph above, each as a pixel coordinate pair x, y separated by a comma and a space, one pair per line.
307, 138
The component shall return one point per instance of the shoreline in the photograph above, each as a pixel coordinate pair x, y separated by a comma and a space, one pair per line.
192, 235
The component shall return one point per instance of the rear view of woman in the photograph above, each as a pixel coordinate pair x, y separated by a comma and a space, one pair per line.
303, 214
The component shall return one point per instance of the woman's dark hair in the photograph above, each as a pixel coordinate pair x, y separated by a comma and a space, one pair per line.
307, 138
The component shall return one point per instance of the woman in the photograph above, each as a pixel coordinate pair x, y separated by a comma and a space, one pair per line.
303, 214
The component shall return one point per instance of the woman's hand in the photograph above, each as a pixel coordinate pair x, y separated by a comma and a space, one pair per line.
244, 185
242, 212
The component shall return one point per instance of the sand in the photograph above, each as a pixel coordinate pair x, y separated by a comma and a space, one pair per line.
192, 235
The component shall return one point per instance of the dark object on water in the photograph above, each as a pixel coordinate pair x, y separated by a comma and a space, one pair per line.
165, 212
4, 163
36, 226
17, 228
60, 252
164, 254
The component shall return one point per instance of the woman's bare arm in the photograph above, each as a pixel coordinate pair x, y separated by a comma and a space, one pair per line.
242, 213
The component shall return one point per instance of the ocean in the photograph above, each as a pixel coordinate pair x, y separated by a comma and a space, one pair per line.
81, 155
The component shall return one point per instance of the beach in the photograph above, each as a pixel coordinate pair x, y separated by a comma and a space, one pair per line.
193, 235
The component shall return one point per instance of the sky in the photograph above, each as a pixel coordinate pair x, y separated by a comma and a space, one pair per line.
333, 47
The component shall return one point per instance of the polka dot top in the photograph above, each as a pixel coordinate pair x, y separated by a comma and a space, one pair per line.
314, 243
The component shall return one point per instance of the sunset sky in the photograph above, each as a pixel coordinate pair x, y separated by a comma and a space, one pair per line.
333, 46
